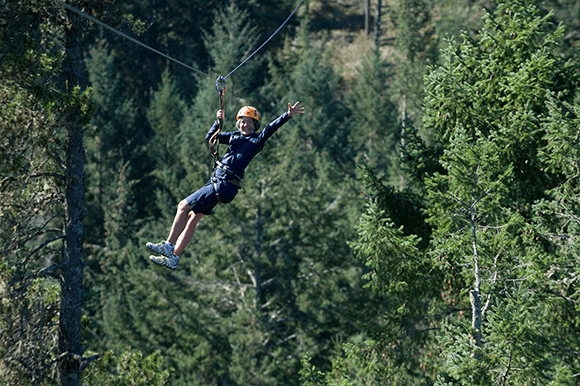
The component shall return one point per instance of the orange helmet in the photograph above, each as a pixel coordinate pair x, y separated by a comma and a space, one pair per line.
250, 112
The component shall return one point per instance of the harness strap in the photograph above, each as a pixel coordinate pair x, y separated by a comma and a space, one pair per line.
214, 181
237, 177
228, 170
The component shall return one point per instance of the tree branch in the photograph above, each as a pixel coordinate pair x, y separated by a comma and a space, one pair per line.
40, 175
493, 281
504, 378
87, 361
48, 271
40, 247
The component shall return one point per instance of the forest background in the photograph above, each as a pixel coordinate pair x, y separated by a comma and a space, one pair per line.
418, 225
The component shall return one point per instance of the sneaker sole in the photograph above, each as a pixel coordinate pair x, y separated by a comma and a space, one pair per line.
152, 247
162, 264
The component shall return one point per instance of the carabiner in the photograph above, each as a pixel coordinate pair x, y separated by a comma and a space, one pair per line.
220, 84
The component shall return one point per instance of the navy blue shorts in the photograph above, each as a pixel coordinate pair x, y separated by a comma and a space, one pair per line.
205, 198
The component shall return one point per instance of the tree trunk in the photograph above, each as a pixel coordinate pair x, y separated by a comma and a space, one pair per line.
378, 24
367, 17
475, 294
70, 348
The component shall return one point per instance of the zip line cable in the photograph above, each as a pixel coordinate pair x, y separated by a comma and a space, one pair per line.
81, 13
221, 80
263, 44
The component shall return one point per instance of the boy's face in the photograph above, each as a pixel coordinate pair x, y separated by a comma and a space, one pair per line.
246, 125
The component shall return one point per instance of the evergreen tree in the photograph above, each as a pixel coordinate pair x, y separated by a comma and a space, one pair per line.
44, 183
117, 136
374, 118
416, 44
325, 129
234, 37
487, 102
165, 115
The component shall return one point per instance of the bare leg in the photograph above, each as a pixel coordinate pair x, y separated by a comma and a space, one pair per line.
187, 234
179, 222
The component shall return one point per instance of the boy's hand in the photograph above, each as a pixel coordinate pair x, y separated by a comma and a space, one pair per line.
220, 115
296, 109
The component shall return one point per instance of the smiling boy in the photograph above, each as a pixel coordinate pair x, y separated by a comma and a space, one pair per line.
243, 145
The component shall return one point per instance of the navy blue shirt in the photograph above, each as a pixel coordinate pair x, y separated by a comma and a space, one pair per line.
243, 148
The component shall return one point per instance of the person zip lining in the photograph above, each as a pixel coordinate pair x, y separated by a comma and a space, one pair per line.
228, 173
244, 144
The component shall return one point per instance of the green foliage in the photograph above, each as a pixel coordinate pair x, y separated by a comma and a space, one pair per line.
323, 128
234, 36
31, 193
565, 13
117, 137
498, 210
29, 320
165, 115
480, 207
375, 137
310, 375
130, 369
416, 45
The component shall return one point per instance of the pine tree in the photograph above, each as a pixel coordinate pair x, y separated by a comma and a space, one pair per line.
416, 44
374, 118
45, 183
165, 115
117, 136
487, 102
234, 37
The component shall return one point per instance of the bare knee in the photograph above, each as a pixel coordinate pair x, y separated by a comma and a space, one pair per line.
183, 207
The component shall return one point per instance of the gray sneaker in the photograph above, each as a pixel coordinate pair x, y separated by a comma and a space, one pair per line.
169, 262
163, 248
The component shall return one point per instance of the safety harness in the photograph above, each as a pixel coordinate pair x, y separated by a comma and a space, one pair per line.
233, 177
